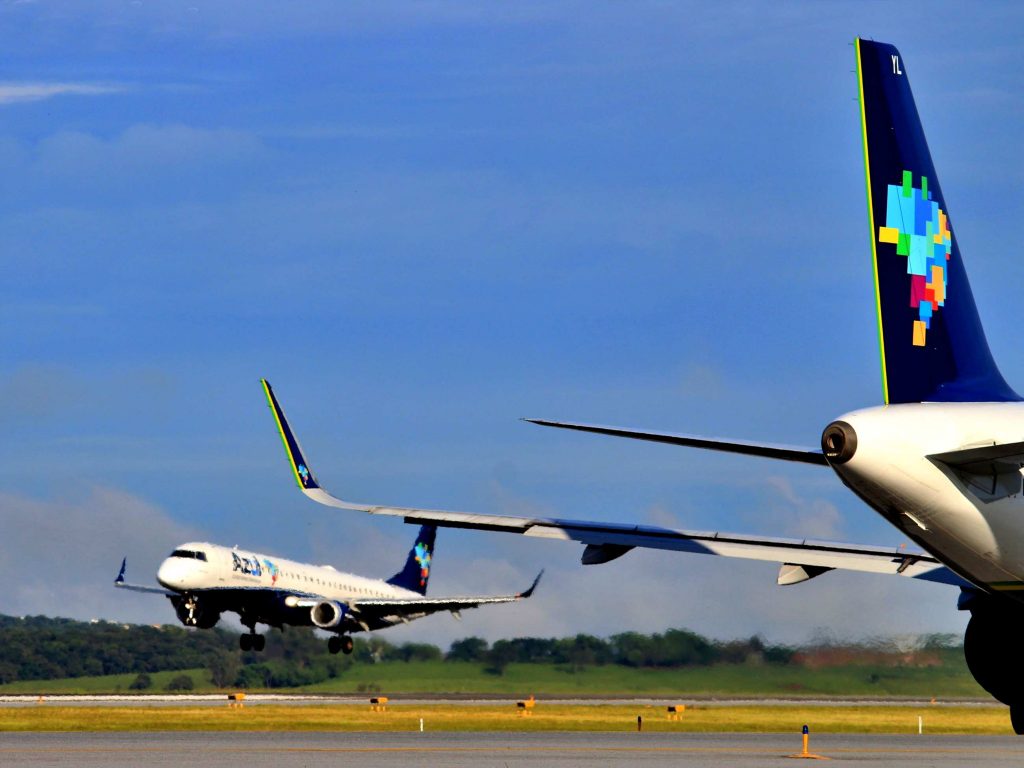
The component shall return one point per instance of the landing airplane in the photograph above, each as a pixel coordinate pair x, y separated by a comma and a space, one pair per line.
204, 580
941, 460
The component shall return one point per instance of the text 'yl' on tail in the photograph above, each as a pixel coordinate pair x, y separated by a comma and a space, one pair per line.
933, 346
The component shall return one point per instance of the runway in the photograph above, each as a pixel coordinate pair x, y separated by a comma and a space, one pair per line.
455, 750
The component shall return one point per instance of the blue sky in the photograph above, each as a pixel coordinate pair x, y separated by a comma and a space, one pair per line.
422, 221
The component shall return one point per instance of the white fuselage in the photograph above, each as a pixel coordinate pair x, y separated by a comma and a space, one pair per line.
979, 536
224, 568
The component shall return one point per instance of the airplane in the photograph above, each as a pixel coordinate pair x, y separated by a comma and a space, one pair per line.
204, 580
940, 459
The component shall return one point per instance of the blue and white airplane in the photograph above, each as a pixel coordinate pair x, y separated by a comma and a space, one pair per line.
941, 460
204, 580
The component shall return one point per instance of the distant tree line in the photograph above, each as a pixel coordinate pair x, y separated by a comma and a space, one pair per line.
674, 648
41, 648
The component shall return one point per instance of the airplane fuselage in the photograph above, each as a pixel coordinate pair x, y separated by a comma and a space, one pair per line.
973, 519
223, 568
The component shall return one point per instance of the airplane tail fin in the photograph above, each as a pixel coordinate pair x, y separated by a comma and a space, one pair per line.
932, 343
416, 573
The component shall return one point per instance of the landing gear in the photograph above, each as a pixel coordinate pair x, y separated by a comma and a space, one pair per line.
252, 642
193, 612
341, 643
1017, 718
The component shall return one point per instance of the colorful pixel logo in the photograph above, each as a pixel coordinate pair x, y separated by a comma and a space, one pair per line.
275, 572
422, 555
920, 231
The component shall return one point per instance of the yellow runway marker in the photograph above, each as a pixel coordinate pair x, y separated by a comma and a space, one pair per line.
806, 754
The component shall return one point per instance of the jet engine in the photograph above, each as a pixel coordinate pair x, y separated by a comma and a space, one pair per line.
327, 614
194, 613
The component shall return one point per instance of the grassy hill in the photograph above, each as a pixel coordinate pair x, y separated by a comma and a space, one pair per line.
44, 655
863, 680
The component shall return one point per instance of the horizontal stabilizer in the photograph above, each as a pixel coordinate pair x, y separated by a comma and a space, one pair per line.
766, 450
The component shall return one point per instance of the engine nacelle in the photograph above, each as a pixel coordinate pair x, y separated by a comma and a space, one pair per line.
193, 612
328, 614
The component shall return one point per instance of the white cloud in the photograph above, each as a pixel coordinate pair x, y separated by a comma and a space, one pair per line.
14, 93
794, 515
59, 556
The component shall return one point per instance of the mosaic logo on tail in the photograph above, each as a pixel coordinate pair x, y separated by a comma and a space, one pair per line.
919, 229
422, 554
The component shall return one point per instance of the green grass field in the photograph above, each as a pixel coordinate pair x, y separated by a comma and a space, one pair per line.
350, 717
108, 684
523, 679
453, 677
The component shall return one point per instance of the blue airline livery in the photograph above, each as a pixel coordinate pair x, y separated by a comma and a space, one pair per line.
204, 580
940, 459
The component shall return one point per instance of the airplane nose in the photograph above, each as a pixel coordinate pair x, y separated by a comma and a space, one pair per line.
171, 574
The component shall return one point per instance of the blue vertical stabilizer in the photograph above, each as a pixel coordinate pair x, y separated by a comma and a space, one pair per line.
416, 573
932, 343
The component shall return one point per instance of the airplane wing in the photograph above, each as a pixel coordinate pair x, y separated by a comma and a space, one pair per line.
375, 613
801, 559
120, 583
403, 608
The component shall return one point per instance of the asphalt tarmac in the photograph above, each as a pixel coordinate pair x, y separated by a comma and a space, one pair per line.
501, 750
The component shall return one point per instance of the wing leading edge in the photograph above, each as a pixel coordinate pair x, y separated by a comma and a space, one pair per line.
801, 559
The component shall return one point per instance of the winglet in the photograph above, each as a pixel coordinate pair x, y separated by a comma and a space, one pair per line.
120, 574
533, 586
300, 467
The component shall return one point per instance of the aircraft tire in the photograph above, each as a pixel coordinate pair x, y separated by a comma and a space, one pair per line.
245, 642
992, 655
334, 644
347, 645
1017, 718
259, 642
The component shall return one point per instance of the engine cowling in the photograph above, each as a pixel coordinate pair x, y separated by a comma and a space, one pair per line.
327, 614
194, 612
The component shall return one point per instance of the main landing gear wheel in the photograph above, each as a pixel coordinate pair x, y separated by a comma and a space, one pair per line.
341, 643
1017, 718
252, 642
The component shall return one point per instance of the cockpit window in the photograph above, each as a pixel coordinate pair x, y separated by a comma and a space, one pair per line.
190, 554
